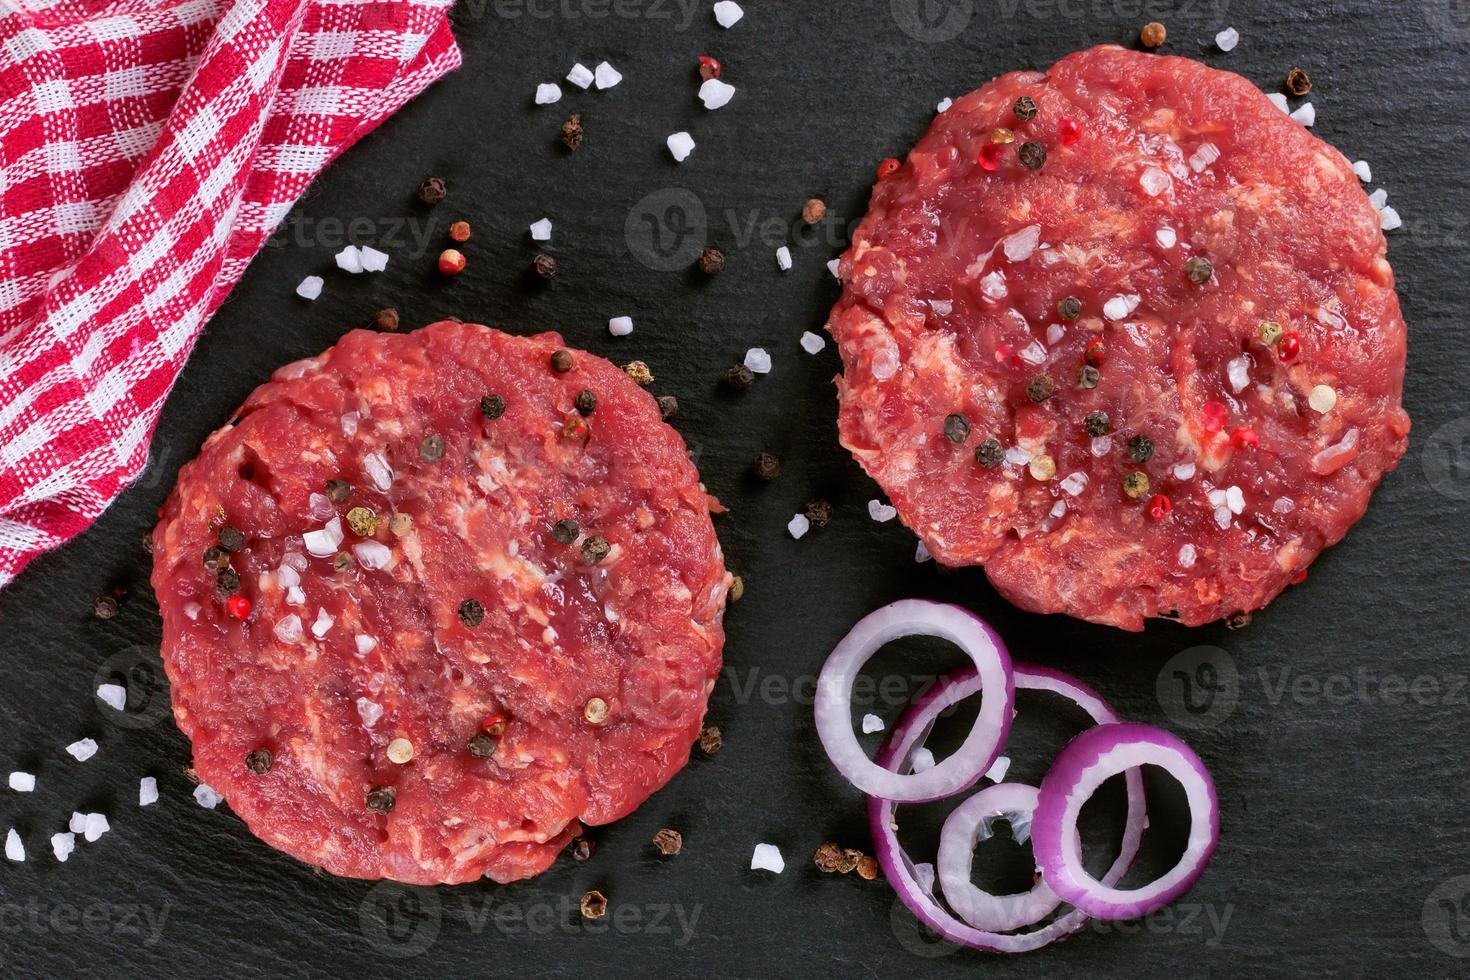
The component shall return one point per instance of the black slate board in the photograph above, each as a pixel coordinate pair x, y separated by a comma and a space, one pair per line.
1338, 722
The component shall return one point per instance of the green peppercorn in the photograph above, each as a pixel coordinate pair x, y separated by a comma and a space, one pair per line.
362, 521
1140, 448
990, 453
595, 548
1135, 484
1199, 269
471, 613
1040, 388
1032, 155
431, 448
227, 581
342, 561
586, 402
1271, 332
259, 761
565, 531
1088, 376
338, 491
1097, 424
956, 428
1025, 108
1069, 307
380, 799
492, 407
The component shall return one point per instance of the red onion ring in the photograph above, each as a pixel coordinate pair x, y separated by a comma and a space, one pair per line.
970, 822
1078, 771
910, 733
916, 617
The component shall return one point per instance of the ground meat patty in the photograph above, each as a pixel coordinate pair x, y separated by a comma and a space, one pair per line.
1180, 211
529, 595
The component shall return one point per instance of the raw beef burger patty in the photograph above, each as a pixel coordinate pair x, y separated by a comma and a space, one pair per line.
1161, 315
444, 559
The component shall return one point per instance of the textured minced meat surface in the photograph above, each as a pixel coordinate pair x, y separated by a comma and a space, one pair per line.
951, 305
334, 663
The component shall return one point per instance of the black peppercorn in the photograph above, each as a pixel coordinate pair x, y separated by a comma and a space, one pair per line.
819, 512
431, 448
990, 453
338, 491
227, 581
582, 848
1140, 448
766, 466
739, 377
544, 266
668, 406
1088, 376
380, 799
216, 559
1199, 270
1040, 388
1025, 108
595, 548
1069, 307
482, 746
432, 190
259, 761
471, 613
1033, 155
561, 361
492, 406
565, 531
1097, 424
105, 606
231, 538
586, 402
956, 428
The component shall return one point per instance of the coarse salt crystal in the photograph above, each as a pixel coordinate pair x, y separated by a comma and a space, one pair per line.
23, 782
350, 260
14, 849
62, 845
606, 75
114, 696
1059, 509
207, 796
1227, 39
82, 749
1019, 245
1322, 398
372, 259
310, 287
541, 230
1186, 556
832, 268
881, 512
1055, 333
767, 857
1166, 237
758, 360
1364, 172
921, 553
349, 422
319, 507
944, 105
1154, 181
1101, 446
1075, 483
922, 760
1279, 101
620, 326
1306, 114
1207, 154
1378, 198
369, 711
727, 13
288, 628
547, 93
365, 644
323, 624
193, 609
378, 471
95, 827
1120, 306
681, 144
1238, 372
1389, 220
372, 554
1016, 456
998, 769
783, 258
993, 286
1033, 353
715, 94
812, 343
1235, 499
580, 75
885, 363
324, 541
1216, 498
1183, 471
872, 723
147, 791
295, 596
798, 526
77, 822
1222, 517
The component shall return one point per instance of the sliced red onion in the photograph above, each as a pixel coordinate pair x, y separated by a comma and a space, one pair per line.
915, 617
916, 893
971, 821
1087, 761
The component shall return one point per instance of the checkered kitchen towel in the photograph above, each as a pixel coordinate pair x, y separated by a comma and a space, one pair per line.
147, 148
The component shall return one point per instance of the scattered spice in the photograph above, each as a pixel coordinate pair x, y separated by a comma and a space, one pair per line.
1298, 82
1238, 621
238, 606
1199, 269
1002, 135
460, 231
582, 849
431, 448
561, 360
888, 168
1213, 415
227, 581
386, 319
766, 466
813, 211
1270, 332
105, 606
669, 842
362, 521
1097, 424
1095, 353
1042, 468
492, 407
572, 132
595, 548
739, 377
338, 491
711, 261
819, 512
342, 561
575, 427
482, 746
231, 538
1153, 34
259, 761
737, 588
956, 428
215, 559
1135, 484
1069, 307
1024, 108
586, 402
432, 190
565, 531
1160, 507
1033, 155
1291, 346
708, 67
1245, 438
1040, 388
451, 261
594, 905
400, 751
595, 710
668, 406
834, 859
471, 613
639, 372
990, 155
1069, 131
867, 868
1088, 376
400, 524
1140, 448
544, 266
710, 739
380, 799
990, 453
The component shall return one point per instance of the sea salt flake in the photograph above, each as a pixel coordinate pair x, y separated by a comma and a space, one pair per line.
1101, 446
1016, 456
1120, 306
369, 711
77, 822
798, 525
1279, 101
378, 471
812, 343
324, 541
193, 609
288, 628
580, 76
82, 749
1018, 246
767, 857
681, 144
993, 286
1238, 371
1075, 483
783, 258
1222, 517
832, 268
372, 259
944, 105
62, 845
350, 259
881, 512
1166, 237
716, 94
921, 553
1364, 172
14, 849
1154, 181
885, 363
1235, 499
606, 75
147, 791
207, 796
727, 13
115, 696
319, 507
1389, 219
1216, 498
872, 723
998, 769
1207, 154
1227, 39
310, 287
922, 761
1055, 333
541, 230
1059, 509
372, 555
620, 326
1183, 471
1306, 114
365, 644
1033, 353
758, 360
295, 596
95, 827
23, 782
349, 421
547, 93
323, 624
1186, 556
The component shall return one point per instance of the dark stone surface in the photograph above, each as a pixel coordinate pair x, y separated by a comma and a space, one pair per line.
1338, 748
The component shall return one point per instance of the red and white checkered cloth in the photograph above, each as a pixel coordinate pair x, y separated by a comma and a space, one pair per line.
147, 148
